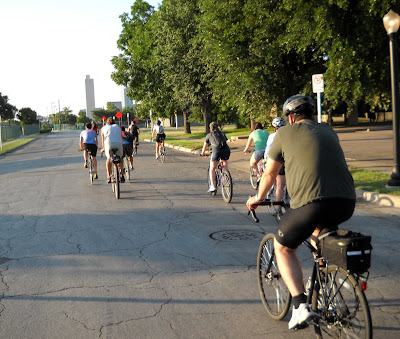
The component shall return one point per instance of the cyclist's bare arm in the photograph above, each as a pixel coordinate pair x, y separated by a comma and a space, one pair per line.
203, 151
249, 141
271, 172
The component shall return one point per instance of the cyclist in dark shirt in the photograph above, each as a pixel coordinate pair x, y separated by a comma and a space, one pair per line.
319, 184
135, 130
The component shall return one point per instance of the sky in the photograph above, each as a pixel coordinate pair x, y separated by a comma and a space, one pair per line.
49, 46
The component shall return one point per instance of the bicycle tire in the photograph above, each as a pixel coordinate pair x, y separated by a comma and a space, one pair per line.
253, 178
90, 165
274, 294
127, 168
343, 310
117, 187
162, 154
226, 185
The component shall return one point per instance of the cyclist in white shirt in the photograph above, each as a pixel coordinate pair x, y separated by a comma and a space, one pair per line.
111, 137
88, 141
160, 136
277, 123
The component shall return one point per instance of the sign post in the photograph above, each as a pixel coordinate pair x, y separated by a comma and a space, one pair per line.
176, 119
318, 87
104, 119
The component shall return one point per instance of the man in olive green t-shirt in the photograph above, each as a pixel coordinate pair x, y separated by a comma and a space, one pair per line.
319, 184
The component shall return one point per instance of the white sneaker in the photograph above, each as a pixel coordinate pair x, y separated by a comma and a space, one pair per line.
301, 315
211, 189
157, 157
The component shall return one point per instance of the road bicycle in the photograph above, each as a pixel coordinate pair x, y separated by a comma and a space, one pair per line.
223, 179
161, 153
255, 176
115, 180
89, 162
336, 294
126, 168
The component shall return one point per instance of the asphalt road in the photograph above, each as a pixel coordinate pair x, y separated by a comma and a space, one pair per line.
165, 261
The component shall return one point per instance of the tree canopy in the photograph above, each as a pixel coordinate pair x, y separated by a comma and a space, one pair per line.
238, 60
7, 110
27, 116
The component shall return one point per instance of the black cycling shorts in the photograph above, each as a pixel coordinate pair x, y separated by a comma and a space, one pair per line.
298, 224
220, 153
92, 148
128, 149
160, 137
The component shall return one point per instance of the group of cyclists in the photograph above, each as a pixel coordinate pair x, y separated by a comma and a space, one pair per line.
112, 137
304, 155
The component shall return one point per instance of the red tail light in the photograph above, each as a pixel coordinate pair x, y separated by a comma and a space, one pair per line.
364, 286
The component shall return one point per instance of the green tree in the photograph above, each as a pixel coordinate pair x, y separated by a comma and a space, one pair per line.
27, 116
7, 110
82, 118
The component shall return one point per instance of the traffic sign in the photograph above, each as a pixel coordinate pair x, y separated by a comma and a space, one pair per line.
118, 115
103, 118
318, 83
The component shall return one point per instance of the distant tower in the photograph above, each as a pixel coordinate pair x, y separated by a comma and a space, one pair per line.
126, 101
90, 106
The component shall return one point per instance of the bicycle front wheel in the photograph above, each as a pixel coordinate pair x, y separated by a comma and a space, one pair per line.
226, 185
253, 178
274, 294
342, 306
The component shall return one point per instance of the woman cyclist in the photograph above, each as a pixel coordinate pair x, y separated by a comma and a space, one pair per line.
277, 123
160, 136
260, 137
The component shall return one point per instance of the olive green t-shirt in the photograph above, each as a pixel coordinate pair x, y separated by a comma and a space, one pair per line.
314, 163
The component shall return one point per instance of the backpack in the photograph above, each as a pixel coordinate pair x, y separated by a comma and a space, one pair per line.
128, 137
218, 139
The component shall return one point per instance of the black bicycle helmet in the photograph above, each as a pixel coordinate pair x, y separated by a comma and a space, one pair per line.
299, 104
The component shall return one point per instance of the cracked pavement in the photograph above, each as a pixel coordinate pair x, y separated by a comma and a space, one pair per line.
77, 263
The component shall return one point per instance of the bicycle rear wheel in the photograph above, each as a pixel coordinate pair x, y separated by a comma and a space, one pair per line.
90, 165
253, 178
127, 168
115, 182
226, 185
342, 306
274, 294
162, 154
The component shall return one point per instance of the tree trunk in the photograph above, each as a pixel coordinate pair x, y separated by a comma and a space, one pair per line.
251, 122
186, 123
206, 111
330, 118
352, 116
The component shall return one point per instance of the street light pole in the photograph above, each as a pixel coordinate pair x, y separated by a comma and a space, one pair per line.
391, 21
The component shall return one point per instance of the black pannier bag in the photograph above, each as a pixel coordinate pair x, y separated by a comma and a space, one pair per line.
347, 249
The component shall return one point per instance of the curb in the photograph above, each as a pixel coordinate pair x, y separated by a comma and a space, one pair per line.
379, 198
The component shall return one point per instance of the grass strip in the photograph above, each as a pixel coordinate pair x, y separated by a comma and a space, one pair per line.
372, 181
16, 144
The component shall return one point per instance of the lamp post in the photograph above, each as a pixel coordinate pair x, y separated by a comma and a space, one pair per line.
391, 21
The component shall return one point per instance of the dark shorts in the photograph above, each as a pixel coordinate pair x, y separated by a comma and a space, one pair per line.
128, 149
92, 148
160, 137
220, 153
298, 224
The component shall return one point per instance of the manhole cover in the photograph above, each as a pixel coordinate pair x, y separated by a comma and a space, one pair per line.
236, 235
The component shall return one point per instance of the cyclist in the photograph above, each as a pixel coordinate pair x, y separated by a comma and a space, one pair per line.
220, 150
95, 127
160, 136
127, 145
135, 130
260, 137
320, 186
111, 137
88, 141
277, 123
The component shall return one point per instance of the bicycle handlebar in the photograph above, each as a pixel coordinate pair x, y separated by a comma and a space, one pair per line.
265, 202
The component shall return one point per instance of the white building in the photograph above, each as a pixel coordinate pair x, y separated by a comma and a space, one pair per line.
126, 101
90, 105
